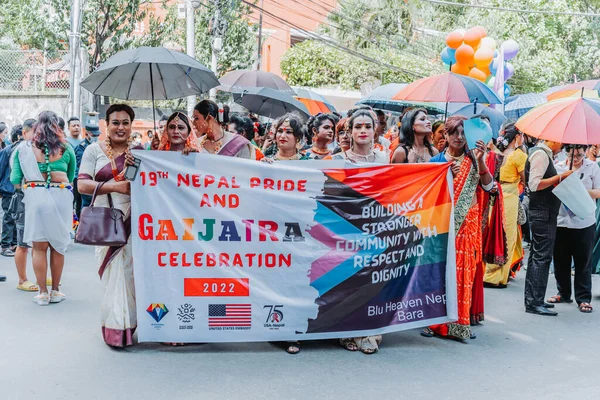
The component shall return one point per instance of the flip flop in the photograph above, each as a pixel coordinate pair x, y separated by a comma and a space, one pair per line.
28, 286
585, 308
558, 299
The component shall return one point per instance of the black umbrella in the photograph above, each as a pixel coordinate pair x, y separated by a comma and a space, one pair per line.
240, 80
149, 73
269, 102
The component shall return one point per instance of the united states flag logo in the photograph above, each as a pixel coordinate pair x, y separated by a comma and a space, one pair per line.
229, 315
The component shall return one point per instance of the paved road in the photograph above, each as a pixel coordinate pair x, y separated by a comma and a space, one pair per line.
57, 352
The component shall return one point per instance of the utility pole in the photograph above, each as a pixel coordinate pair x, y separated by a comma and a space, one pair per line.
190, 39
218, 27
260, 25
75, 65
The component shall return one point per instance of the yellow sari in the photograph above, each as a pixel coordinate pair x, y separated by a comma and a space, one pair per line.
509, 178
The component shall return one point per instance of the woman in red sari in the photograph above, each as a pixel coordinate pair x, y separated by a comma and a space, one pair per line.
471, 179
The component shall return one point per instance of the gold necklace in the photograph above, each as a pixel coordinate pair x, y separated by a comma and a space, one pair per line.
459, 158
279, 157
217, 143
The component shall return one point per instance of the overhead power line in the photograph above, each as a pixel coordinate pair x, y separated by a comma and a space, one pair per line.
513, 10
331, 43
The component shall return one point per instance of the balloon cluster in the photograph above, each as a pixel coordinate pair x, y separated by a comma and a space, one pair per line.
472, 53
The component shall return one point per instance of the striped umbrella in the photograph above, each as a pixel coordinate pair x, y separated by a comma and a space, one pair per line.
590, 87
519, 106
381, 98
572, 120
448, 88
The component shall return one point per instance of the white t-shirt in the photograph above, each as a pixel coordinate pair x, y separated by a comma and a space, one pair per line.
589, 173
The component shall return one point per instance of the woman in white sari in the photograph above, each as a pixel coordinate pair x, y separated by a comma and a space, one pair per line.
45, 168
104, 163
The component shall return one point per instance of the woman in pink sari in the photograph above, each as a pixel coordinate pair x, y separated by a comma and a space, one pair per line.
104, 163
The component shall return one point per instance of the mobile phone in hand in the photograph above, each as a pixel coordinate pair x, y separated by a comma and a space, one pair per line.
132, 170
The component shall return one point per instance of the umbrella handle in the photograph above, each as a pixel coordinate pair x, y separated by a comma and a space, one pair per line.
153, 106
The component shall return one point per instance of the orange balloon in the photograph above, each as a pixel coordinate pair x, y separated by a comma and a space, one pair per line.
478, 74
483, 57
486, 71
460, 69
454, 39
465, 55
472, 37
482, 31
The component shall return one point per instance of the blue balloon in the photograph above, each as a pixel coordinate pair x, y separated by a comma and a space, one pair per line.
496, 53
507, 91
448, 55
494, 66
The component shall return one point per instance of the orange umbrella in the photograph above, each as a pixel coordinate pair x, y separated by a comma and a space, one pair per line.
314, 106
572, 120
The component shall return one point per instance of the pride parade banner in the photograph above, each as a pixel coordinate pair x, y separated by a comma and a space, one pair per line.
231, 250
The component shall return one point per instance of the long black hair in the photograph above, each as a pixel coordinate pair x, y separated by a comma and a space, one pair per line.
407, 133
509, 133
46, 133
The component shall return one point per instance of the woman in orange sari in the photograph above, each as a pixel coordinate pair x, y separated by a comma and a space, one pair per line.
471, 179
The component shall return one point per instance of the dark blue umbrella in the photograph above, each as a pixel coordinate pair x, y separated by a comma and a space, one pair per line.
519, 105
381, 98
496, 117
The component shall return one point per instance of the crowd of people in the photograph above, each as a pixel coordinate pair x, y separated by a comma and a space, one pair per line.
503, 200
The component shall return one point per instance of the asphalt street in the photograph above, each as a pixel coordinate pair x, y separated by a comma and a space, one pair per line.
57, 352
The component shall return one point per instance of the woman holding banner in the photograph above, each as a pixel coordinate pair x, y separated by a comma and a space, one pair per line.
207, 119
179, 135
414, 139
512, 174
361, 126
102, 169
289, 132
471, 179
321, 128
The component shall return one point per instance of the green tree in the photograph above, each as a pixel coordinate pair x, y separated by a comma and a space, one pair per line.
313, 63
107, 25
239, 43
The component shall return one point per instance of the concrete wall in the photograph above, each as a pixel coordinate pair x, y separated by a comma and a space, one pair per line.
16, 108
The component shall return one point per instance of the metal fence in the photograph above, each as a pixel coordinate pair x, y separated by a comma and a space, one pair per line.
34, 71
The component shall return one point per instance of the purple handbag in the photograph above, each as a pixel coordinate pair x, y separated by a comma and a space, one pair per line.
101, 226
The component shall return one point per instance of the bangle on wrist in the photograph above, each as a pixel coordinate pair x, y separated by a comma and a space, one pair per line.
559, 178
483, 172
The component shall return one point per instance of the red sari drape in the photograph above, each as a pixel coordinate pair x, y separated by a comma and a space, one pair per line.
468, 247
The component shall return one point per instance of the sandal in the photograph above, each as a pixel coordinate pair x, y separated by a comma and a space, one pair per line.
427, 332
349, 344
368, 345
558, 299
293, 347
28, 286
585, 308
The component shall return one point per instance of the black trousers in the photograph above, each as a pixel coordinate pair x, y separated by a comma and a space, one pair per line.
76, 198
543, 235
574, 245
9, 231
